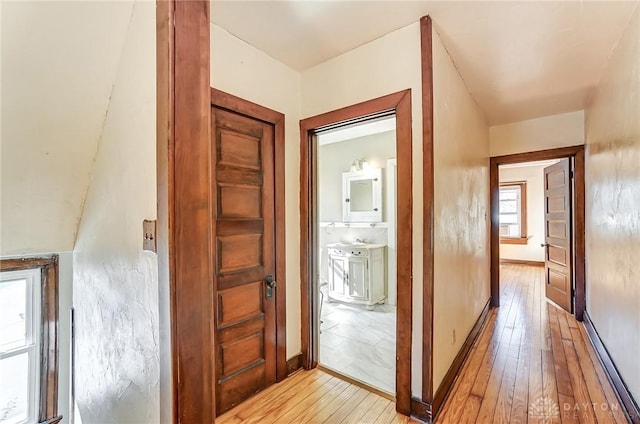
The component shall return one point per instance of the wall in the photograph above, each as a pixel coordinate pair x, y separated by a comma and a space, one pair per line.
65, 295
115, 282
533, 175
383, 66
612, 131
461, 209
54, 104
242, 70
336, 158
548, 132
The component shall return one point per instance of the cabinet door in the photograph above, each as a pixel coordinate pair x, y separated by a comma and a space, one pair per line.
358, 281
338, 275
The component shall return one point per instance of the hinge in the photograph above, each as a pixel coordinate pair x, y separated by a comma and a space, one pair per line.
570, 174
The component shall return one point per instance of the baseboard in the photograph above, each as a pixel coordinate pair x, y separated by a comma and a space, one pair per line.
521, 262
294, 364
626, 399
428, 412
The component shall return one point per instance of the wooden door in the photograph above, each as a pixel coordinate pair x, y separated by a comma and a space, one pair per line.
558, 204
243, 233
358, 278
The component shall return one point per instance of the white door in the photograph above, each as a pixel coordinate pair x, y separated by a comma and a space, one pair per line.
358, 282
338, 275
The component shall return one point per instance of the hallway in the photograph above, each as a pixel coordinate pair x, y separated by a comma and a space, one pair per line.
532, 363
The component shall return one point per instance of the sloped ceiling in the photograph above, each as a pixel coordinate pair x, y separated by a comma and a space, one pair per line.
59, 62
520, 60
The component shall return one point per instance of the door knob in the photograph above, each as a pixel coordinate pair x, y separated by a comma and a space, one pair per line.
270, 282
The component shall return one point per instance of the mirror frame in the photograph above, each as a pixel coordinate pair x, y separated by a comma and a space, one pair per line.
373, 215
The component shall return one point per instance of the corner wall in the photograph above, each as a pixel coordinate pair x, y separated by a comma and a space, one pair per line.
384, 66
115, 282
244, 71
461, 212
612, 131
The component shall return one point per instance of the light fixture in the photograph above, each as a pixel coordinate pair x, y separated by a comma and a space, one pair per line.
359, 165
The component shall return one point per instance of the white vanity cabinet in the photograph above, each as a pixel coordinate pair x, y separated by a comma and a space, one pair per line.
357, 273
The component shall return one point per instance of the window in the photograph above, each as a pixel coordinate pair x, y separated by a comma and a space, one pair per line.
28, 341
513, 213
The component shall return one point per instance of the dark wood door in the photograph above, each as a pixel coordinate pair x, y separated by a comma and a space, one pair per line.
558, 204
243, 230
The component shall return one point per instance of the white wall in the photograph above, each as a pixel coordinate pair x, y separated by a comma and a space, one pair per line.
612, 131
548, 132
115, 282
383, 66
461, 211
533, 176
242, 70
59, 61
336, 158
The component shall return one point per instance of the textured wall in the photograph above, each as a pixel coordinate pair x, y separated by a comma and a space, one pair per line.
115, 282
461, 211
613, 206
244, 71
548, 132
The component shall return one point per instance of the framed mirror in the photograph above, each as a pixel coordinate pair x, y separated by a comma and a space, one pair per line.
362, 194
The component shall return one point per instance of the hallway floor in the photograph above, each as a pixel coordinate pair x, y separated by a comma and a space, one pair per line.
533, 362
359, 343
314, 397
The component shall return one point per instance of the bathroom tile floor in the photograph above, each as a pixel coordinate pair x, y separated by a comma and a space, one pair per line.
359, 343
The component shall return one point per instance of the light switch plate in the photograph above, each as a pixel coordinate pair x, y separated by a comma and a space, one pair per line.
149, 236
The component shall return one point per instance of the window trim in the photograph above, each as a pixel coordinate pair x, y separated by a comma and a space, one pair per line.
49, 336
523, 239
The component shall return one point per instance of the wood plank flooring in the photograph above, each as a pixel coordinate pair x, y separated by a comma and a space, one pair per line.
314, 397
532, 363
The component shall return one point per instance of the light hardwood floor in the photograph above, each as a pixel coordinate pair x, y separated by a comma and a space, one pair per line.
532, 363
314, 397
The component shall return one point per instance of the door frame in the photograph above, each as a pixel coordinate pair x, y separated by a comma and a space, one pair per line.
231, 103
400, 103
577, 217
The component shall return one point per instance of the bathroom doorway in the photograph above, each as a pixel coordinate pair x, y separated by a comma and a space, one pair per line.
349, 248
356, 252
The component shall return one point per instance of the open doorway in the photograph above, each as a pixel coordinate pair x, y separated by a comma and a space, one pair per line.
537, 218
346, 245
356, 252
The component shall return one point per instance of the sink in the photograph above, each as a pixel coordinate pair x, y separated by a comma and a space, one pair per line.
354, 244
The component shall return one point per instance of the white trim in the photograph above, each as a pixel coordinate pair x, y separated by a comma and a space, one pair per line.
33, 326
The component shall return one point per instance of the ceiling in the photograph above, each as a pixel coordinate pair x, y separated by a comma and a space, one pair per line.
520, 60
59, 62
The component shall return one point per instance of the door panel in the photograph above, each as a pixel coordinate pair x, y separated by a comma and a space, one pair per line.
357, 278
557, 197
244, 224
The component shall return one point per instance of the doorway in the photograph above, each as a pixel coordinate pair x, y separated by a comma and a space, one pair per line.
548, 184
356, 252
345, 258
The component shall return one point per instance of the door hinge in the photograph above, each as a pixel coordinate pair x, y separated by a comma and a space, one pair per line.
571, 174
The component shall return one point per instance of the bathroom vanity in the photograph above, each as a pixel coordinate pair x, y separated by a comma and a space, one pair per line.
357, 273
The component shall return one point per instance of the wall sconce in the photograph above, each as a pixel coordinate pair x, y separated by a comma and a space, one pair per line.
359, 165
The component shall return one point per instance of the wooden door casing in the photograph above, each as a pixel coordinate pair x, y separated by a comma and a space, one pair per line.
558, 228
244, 246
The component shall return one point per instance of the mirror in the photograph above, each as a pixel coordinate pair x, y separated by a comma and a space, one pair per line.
362, 193
361, 196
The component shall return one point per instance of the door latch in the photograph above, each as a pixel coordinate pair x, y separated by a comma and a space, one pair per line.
270, 284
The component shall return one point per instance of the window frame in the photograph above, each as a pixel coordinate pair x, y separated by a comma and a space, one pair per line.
47, 398
523, 239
